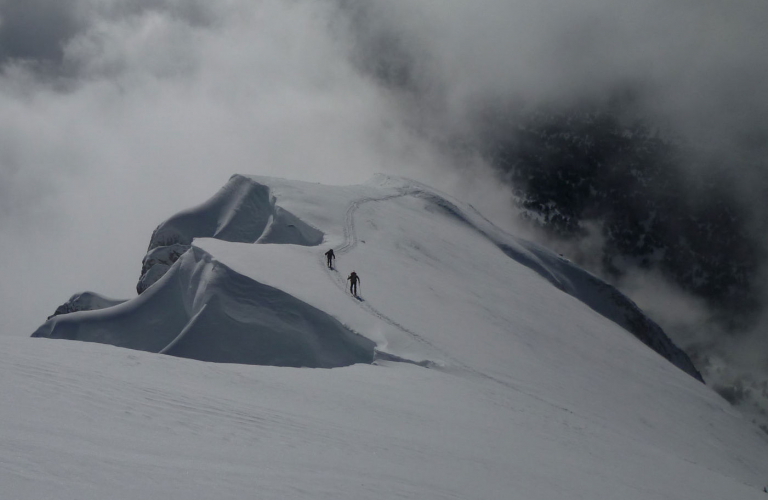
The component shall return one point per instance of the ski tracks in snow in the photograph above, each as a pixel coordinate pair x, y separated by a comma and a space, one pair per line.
349, 244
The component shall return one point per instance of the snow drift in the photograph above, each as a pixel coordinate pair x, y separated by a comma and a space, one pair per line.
573, 280
203, 310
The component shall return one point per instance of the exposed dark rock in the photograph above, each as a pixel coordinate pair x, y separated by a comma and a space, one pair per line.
570, 169
85, 301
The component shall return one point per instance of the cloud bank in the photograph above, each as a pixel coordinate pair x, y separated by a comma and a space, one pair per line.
114, 114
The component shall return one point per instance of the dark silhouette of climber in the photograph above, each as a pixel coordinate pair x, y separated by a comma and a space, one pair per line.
353, 279
330, 256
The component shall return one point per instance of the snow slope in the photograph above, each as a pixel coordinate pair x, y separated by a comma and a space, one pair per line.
501, 371
247, 210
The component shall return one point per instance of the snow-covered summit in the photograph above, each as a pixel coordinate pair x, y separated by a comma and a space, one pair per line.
484, 367
290, 213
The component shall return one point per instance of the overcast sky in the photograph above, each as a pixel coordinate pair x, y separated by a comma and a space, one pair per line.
115, 114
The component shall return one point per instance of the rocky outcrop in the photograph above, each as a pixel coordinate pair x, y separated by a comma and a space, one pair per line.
85, 301
157, 262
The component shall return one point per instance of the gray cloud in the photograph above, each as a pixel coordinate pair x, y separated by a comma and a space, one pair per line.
152, 107
695, 71
115, 114
36, 30
692, 61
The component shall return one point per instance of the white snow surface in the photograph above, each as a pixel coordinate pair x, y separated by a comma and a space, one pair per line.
506, 386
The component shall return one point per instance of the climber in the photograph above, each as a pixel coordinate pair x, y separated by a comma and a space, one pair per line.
353, 279
330, 256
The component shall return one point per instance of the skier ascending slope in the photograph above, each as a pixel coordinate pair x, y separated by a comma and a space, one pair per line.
353, 281
330, 256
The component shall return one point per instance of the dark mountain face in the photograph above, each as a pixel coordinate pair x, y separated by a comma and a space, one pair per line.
594, 167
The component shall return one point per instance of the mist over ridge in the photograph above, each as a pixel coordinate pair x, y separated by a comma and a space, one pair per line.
634, 139
658, 107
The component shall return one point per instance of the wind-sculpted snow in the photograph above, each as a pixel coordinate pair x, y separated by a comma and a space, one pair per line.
242, 211
595, 293
203, 310
603, 299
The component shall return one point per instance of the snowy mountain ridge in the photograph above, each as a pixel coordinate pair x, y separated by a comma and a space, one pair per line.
248, 210
473, 365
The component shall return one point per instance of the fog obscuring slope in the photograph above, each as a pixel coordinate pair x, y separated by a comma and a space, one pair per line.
117, 113
633, 135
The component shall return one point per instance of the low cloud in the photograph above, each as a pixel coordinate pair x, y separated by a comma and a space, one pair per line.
695, 72
115, 114
139, 109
